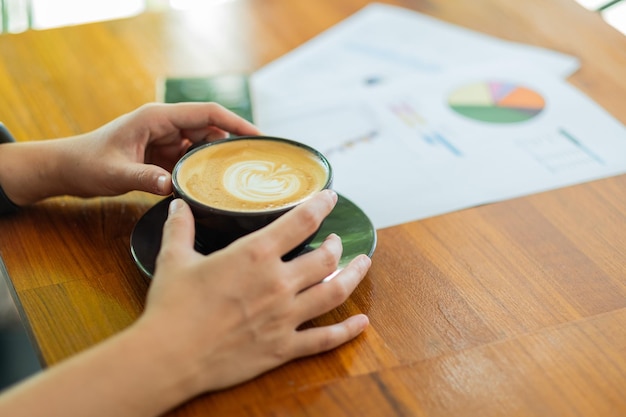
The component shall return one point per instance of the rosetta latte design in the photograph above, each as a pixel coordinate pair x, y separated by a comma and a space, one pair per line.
261, 181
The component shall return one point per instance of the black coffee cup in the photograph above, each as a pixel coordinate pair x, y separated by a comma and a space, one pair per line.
238, 185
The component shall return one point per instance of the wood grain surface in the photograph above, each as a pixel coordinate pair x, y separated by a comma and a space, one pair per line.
514, 308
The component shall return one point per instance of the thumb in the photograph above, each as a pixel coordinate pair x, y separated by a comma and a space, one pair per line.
178, 230
150, 178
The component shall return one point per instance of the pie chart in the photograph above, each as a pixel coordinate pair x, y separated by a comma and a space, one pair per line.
496, 102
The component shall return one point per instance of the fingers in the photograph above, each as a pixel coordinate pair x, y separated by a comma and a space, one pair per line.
149, 178
323, 297
291, 229
229, 121
205, 117
207, 134
318, 264
321, 339
178, 232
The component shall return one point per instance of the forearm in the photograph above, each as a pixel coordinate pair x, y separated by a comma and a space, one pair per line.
33, 171
131, 374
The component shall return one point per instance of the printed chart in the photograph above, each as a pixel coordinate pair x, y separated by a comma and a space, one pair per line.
496, 102
474, 135
406, 113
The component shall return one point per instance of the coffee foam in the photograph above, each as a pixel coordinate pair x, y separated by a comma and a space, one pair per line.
251, 175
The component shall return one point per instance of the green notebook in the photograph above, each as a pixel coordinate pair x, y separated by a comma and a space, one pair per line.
230, 90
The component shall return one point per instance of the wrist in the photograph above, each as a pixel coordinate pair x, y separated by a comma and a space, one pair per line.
176, 374
33, 171
7, 206
131, 373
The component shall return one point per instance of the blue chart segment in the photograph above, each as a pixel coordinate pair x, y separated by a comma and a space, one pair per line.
436, 138
496, 102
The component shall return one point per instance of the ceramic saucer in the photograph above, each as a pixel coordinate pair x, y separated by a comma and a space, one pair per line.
346, 220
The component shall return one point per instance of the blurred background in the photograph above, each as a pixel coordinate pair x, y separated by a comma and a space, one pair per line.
20, 15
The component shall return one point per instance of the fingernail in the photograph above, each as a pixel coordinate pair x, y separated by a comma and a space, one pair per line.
161, 183
175, 205
333, 195
363, 322
333, 236
365, 261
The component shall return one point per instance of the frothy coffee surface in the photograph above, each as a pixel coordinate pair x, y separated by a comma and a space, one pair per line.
251, 175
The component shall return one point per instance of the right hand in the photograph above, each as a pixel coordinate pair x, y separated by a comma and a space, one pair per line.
235, 314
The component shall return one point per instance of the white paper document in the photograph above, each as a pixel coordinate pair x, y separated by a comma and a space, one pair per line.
416, 148
381, 42
450, 120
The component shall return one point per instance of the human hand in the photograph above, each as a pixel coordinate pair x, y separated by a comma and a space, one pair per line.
138, 151
235, 314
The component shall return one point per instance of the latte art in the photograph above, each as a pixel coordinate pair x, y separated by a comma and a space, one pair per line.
261, 181
250, 175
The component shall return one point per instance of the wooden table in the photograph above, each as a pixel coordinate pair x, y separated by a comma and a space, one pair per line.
514, 308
